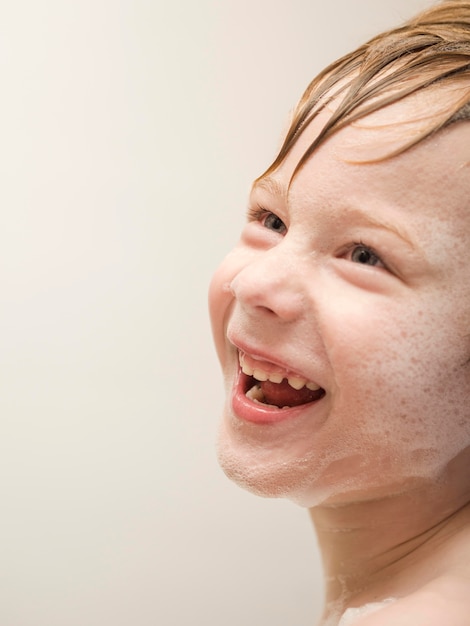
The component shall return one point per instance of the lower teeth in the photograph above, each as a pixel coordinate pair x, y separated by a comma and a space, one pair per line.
256, 394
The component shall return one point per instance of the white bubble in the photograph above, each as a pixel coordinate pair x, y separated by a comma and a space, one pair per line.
350, 616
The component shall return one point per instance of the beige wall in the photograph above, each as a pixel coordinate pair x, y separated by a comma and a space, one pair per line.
130, 131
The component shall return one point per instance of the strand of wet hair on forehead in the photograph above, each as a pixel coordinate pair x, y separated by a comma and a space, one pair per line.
432, 48
368, 86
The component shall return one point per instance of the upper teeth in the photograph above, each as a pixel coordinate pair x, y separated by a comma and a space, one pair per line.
275, 377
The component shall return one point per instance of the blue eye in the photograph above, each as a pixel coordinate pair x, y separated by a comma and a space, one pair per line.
364, 255
273, 222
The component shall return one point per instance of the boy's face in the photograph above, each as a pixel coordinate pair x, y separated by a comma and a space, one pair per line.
356, 281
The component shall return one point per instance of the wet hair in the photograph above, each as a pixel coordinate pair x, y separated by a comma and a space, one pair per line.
431, 49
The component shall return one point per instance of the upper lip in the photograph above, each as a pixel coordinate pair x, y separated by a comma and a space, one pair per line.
261, 355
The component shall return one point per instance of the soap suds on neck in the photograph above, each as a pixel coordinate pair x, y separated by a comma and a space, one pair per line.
350, 616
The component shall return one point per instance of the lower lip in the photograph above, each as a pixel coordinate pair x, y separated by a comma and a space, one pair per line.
258, 413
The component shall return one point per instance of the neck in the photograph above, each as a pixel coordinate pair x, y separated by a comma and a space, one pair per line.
388, 547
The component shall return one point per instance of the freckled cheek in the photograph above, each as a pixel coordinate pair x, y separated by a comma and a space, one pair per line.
401, 362
379, 354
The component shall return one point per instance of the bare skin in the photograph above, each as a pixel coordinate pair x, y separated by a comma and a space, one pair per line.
414, 549
356, 277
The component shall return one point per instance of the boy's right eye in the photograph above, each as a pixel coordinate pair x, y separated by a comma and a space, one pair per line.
267, 219
273, 222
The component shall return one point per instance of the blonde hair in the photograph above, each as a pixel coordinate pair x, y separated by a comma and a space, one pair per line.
431, 48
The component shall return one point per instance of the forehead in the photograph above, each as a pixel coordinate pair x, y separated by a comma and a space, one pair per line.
390, 129
354, 164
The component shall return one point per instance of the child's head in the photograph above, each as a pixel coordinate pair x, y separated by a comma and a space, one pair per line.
342, 318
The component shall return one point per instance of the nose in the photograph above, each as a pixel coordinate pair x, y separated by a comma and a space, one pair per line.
271, 285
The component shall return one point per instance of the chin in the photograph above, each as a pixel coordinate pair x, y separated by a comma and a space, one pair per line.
314, 479
274, 473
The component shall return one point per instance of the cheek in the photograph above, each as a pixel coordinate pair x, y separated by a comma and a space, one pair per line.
393, 341
219, 301
221, 298
403, 383
219, 288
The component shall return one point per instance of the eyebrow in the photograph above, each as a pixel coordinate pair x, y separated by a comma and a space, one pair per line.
275, 188
271, 185
370, 220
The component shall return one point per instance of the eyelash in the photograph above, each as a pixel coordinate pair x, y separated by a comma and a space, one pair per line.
256, 214
261, 215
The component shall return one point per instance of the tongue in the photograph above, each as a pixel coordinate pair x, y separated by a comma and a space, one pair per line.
282, 394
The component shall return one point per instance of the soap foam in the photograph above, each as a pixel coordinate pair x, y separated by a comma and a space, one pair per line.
350, 616
396, 412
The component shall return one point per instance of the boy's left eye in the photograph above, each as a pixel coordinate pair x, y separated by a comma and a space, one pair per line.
365, 256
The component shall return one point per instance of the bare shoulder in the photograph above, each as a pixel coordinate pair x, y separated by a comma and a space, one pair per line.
444, 601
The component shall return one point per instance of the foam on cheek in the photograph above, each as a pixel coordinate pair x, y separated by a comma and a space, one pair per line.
413, 418
403, 412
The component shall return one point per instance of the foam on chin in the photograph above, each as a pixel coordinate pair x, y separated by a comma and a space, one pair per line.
396, 416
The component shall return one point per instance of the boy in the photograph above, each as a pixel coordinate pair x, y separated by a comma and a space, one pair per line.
342, 323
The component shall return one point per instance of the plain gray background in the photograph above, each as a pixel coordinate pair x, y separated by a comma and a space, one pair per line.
130, 131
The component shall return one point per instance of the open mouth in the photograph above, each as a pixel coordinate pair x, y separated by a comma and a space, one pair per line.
276, 388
